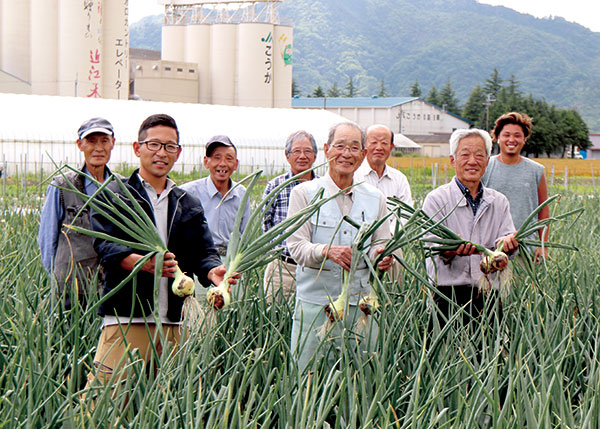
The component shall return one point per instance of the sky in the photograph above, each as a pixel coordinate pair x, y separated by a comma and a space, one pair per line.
583, 12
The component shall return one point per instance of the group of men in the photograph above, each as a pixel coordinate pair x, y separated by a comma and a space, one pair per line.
196, 222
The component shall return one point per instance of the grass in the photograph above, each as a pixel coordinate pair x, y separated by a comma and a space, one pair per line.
537, 367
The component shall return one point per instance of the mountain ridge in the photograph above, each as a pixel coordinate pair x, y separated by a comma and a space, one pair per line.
433, 41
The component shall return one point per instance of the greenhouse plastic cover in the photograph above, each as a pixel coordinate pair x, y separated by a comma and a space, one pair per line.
44, 127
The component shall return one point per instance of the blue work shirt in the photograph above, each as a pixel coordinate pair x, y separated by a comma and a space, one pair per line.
52, 218
222, 218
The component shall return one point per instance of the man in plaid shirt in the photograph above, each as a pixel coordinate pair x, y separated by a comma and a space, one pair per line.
301, 153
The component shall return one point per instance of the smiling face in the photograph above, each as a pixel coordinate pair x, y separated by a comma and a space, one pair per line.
346, 150
156, 165
96, 149
221, 163
470, 160
301, 156
511, 140
379, 146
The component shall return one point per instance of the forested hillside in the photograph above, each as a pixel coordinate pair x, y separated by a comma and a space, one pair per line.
395, 43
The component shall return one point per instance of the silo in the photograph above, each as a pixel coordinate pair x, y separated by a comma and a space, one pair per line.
255, 64
197, 50
1, 31
115, 47
15, 39
44, 47
222, 63
79, 49
173, 42
282, 84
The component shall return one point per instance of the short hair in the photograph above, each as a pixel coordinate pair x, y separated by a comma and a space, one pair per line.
521, 119
333, 129
300, 135
460, 134
381, 126
154, 121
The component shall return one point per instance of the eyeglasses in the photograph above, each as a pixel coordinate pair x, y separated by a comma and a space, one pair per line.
354, 149
307, 152
155, 146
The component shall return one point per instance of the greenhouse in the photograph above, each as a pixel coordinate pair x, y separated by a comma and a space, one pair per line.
37, 130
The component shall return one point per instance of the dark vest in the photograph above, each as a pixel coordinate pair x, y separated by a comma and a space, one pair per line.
75, 252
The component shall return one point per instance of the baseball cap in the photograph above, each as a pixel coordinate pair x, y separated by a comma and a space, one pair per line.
217, 141
95, 125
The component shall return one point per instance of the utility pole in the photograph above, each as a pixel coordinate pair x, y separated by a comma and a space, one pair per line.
487, 103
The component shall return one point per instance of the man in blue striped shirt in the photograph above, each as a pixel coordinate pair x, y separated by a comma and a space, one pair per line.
301, 153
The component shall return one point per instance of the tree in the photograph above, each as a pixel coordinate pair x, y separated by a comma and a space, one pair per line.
573, 131
334, 91
318, 92
474, 109
350, 88
447, 98
432, 97
295, 89
493, 84
415, 90
382, 92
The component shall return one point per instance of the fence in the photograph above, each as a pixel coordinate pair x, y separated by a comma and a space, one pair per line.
29, 179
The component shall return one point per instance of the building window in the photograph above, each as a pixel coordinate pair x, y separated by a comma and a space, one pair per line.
438, 117
419, 116
192, 71
167, 68
179, 69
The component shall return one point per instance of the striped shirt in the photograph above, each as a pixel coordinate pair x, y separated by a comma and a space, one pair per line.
276, 211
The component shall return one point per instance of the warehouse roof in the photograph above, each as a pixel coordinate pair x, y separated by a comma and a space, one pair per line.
312, 102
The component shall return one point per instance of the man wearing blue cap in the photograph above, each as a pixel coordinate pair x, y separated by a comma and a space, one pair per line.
221, 161
68, 256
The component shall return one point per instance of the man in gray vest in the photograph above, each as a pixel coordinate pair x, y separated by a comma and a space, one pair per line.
322, 246
67, 255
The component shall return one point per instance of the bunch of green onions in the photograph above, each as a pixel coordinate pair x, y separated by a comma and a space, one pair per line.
438, 238
133, 220
252, 249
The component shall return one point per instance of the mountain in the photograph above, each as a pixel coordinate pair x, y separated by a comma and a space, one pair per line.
436, 41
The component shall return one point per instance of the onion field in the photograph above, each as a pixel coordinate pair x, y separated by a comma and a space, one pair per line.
537, 366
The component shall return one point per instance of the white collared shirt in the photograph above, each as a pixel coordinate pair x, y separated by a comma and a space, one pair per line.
393, 183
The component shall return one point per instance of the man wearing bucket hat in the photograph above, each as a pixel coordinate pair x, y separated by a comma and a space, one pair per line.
221, 162
67, 255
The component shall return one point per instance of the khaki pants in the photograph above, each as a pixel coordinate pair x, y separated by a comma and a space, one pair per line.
116, 341
280, 280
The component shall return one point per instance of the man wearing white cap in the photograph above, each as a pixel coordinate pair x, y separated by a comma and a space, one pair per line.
67, 255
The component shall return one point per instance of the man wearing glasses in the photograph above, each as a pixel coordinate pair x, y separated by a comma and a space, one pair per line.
128, 321
322, 246
220, 196
301, 153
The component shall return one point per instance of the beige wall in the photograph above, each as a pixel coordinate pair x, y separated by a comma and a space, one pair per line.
166, 81
435, 150
12, 85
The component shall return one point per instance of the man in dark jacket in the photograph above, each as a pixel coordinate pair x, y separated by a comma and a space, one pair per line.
179, 218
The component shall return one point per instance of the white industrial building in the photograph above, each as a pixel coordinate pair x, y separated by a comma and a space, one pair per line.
65, 47
239, 52
38, 129
424, 123
230, 52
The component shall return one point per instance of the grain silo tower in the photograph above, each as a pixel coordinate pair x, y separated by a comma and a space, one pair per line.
242, 49
65, 47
